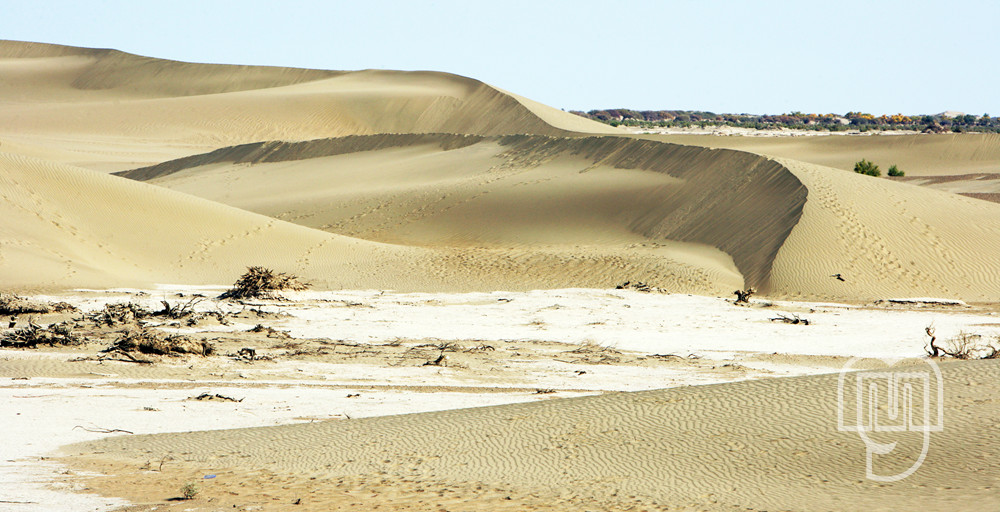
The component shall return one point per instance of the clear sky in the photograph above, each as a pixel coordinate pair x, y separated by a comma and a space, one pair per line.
882, 57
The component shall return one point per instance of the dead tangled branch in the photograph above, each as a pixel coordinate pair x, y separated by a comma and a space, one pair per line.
178, 310
743, 296
260, 282
592, 347
270, 331
439, 361
34, 335
216, 396
102, 430
963, 346
119, 314
794, 319
638, 286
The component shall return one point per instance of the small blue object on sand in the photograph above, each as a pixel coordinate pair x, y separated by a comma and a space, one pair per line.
209, 476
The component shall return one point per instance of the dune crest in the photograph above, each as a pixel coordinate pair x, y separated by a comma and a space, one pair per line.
115, 110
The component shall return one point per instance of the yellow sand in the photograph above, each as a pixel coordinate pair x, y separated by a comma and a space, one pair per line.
770, 444
114, 111
480, 209
788, 226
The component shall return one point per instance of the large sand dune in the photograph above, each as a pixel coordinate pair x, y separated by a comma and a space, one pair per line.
886, 238
510, 192
112, 110
458, 185
770, 444
68, 227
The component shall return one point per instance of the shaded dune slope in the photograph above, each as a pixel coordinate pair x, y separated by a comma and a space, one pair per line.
753, 445
741, 203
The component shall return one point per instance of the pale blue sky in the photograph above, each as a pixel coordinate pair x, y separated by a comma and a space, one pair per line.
913, 57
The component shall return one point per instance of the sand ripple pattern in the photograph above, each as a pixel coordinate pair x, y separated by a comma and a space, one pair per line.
757, 445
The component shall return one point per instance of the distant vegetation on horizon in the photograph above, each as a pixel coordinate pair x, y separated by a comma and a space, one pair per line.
943, 122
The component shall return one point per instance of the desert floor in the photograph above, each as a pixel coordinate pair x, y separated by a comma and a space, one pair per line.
343, 361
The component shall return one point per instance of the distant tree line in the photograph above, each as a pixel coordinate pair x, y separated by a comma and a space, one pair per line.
796, 120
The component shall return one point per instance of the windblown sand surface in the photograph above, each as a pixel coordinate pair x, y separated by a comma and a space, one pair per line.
788, 226
109, 110
431, 182
758, 445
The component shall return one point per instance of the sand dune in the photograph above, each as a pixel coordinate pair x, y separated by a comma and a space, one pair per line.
114, 110
68, 227
410, 159
531, 191
755, 445
886, 238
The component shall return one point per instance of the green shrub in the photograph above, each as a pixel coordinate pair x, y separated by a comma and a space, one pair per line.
189, 490
867, 168
894, 171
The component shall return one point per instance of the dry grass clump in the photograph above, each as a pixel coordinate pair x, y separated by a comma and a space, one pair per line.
151, 341
260, 282
11, 304
592, 347
34, 335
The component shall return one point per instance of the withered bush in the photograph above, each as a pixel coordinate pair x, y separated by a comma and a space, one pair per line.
260, 282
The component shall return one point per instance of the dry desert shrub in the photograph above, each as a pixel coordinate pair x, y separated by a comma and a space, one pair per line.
11, 304
963, 346
119, 314
260, 282
34, 335
151, 341
592, 347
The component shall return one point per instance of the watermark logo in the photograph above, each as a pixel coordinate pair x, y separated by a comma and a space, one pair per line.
881, 403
